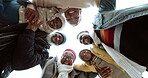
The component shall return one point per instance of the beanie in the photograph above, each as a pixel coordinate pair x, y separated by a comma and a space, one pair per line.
72, 52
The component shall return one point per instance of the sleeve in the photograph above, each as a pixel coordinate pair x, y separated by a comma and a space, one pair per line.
50, 69
107, 5
26, 55
24, 2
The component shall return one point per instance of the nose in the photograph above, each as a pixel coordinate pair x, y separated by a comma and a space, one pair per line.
67, 59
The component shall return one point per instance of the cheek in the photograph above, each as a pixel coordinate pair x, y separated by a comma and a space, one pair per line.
62, 61
50, 24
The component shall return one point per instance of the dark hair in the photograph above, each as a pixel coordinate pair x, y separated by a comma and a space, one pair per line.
80, 53
91, 40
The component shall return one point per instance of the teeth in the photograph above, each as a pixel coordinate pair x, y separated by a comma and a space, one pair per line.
71, 11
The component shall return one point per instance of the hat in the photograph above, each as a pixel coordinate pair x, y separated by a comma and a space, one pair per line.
46, 15
72, 52
82, 33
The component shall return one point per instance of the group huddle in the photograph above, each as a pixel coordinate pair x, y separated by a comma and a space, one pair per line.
119, 38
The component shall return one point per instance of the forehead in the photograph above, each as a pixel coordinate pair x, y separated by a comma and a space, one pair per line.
73, 9
83, 51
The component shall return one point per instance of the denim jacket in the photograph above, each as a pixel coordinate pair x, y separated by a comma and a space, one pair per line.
109, 18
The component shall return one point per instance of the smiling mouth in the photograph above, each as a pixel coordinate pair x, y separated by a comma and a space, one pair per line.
71, 11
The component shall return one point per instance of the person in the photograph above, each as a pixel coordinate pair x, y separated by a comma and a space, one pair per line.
56, 38
85, 38
115, 29
97, 58
24, 40
52, 20
20, 48
73, 16
72, 8
63, 68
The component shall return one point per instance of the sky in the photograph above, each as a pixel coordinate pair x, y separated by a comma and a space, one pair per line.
72, 42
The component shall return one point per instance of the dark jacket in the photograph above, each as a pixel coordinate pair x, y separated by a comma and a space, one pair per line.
21, 48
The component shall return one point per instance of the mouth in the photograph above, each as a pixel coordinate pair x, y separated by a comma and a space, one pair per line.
71, 12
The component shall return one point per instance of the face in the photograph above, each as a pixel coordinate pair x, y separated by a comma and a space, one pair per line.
67, 58
85, 55
57, 39
55, 23
73, 15
85, 39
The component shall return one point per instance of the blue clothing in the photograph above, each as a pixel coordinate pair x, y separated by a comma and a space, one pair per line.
108, 19
9, 12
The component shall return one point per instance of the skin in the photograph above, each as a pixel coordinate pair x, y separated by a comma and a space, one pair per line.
67, 60
105, 72
32, 17
55, 23
85, 39
73, 15
57, 39
85, 55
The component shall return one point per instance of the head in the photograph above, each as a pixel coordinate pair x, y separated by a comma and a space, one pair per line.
73, 16
52, 23
56, 38
85, 38
68, 57
85, 55
55, 23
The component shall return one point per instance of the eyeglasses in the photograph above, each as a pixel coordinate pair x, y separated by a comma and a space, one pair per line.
67, 56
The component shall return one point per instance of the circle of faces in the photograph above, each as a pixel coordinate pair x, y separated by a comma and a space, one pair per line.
72, 16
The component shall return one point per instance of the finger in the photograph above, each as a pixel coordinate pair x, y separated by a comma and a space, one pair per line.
26, 13
107, 71
35, 18
39, 24
32, 16
105, 68
29, 13
107, 74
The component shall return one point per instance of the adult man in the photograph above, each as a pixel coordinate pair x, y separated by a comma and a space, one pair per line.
63, 68
115, 28
52, 19
22, 46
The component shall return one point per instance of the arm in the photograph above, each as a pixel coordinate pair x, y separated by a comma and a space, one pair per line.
107, 5
27, 49
26, 55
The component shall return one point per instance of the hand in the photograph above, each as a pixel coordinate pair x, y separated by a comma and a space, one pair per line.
105, 72
31, 11
34, 26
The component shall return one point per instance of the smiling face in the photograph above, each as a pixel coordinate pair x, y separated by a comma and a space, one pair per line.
67, 59
85, 39
57, 39
85, 55
55, 23
73, 16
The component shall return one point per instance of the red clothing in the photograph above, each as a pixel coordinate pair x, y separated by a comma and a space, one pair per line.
108, 36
